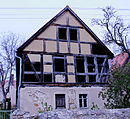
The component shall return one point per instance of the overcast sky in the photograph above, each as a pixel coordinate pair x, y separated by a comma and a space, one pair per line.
27, 16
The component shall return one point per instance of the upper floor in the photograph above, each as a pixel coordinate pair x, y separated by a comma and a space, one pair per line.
64, 50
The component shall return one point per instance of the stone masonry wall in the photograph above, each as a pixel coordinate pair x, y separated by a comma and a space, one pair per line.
77, 114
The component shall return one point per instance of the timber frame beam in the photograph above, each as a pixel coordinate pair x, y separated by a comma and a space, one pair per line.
91, 69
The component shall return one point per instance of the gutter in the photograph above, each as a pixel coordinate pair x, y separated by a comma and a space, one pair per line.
19, 86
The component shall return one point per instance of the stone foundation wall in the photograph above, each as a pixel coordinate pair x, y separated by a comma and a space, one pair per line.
76, 114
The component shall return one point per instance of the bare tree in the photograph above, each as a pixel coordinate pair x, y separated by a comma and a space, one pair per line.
116, 32
8, 45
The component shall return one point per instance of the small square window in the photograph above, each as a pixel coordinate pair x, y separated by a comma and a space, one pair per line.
47, 77
73, 34
90, 60
92, 78
83, 100
36, 65
91, 69
62, 33
81, 78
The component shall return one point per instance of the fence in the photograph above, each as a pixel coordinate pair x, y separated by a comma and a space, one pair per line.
5, 114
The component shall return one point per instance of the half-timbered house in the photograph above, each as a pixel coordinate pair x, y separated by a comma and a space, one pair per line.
63, 65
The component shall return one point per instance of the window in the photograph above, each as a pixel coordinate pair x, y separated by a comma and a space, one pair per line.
59, 65
60, 101
103, 66
72, 34
31, 71
47, 77
91, 68
31, 77
60, 68
27, 66
36, 65
92, 78
81, 78
91, 65
80, 64
83, 100
62, 33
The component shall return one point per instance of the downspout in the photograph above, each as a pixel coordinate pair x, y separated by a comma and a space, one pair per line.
19, 86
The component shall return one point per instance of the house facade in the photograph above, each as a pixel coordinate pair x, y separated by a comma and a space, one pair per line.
63, 65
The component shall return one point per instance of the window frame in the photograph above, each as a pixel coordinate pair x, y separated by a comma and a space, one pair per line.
58, 35
44, 77
58, 72
100, 75
33, 72
76, 34
97, 76
64, 96
68, 34
82, 99
59, 57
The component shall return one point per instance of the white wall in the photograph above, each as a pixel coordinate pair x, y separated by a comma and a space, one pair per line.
33, 98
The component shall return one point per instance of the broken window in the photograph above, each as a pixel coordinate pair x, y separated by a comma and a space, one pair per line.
60, 101
91, 65
83, 100
90, 60
91, 68
59, 65
73, 34
31, 70
103, 66
36, 65
60, 69
92, 78
99, 68
27, 66
104, 78
80, 64
31, 77
62, 33
81, 78
106, 67
47, 78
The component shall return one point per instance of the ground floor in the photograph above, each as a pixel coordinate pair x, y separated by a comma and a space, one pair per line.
36, 99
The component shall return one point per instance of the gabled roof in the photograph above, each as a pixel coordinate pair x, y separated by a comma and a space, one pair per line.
67, 8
